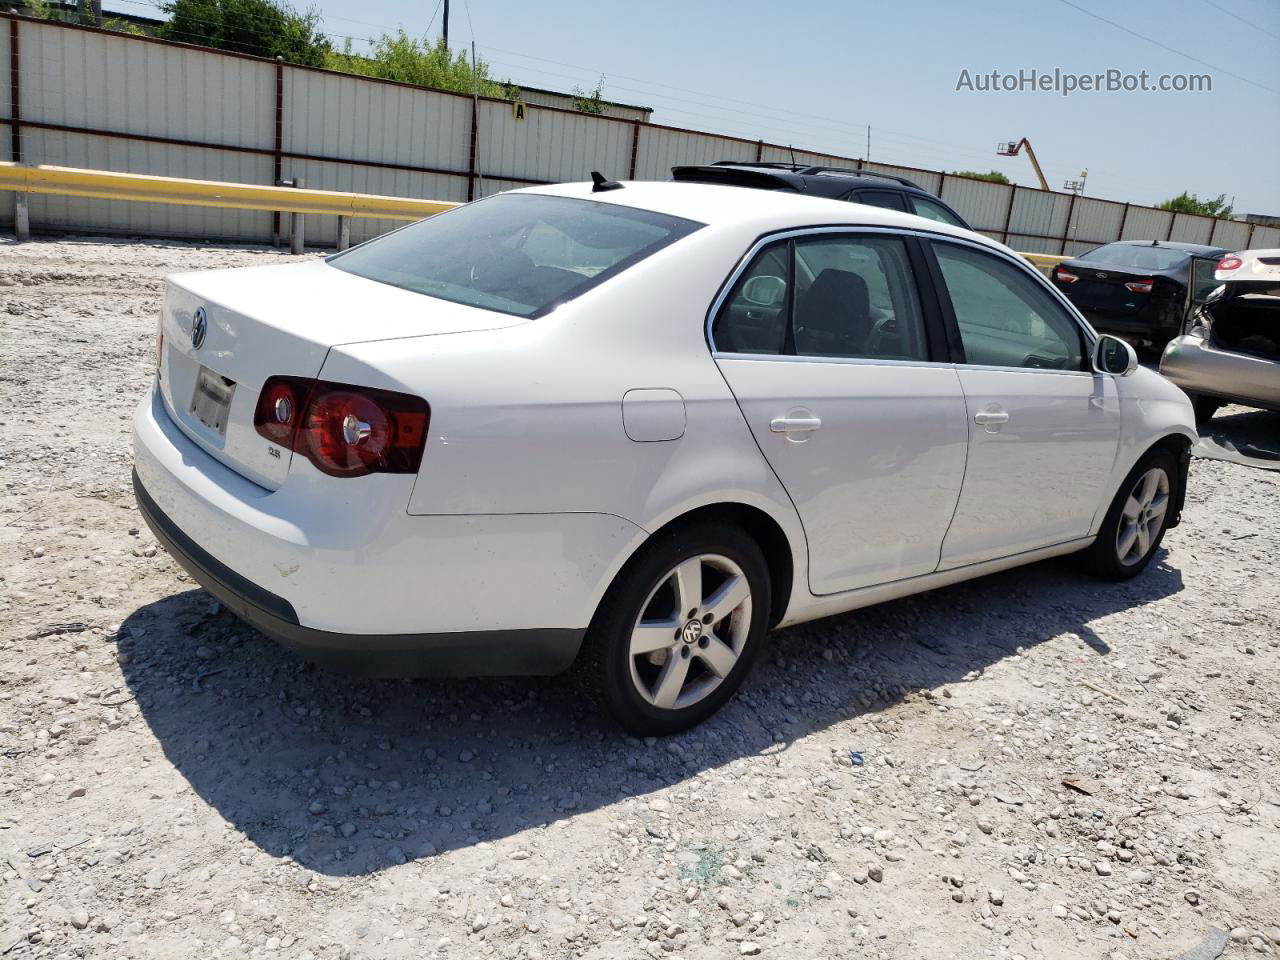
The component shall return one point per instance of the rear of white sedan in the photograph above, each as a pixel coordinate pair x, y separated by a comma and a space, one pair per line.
636, 426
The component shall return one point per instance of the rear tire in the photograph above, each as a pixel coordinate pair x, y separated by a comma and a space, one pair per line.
679, 628
1137, 519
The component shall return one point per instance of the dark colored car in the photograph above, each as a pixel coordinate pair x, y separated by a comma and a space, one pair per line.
834, 183
1141, 290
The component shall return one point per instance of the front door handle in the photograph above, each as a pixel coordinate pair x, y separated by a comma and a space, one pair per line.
794, 424
985, 417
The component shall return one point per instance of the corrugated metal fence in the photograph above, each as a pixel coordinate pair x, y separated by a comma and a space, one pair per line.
88, 98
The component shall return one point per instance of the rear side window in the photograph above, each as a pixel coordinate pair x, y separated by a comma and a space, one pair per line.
1006, 318
829, 296
932, 210
879, 198
522, 254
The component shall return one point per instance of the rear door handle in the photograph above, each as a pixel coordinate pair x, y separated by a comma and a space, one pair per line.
990, 416
794, 424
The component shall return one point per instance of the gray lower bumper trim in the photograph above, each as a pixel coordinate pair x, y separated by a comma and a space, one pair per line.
537, 652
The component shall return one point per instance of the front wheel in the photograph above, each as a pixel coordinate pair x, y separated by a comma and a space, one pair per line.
1136, 521
679, 629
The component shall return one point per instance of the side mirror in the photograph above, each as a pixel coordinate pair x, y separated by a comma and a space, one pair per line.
1113, 355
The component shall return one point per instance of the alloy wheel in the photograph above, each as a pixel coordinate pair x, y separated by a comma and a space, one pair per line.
1142, 515
691, 631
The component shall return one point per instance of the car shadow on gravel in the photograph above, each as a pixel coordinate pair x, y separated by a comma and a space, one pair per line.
348, 777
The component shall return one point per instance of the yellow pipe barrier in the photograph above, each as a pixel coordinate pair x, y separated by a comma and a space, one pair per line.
1043, 261
102, 185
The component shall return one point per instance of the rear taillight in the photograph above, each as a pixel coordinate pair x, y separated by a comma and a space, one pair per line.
1140, 286
1065, 276
344, 430
1230, 263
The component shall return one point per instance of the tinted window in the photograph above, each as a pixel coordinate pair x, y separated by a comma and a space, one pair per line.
753, 318
1202, 280
856, 297
1138, 257
924, 207
852, 297
516, 253
1006, 318
879, 198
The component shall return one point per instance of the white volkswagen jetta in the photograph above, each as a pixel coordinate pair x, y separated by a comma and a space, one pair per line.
637, 426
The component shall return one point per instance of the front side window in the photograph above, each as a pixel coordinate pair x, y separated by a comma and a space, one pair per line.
826, 296
522, 254
1005, 318
932, 210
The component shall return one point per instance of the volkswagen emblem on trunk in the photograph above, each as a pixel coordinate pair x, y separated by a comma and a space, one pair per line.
199, 327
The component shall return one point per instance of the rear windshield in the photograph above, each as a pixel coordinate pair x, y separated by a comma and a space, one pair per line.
522, 254
1140, 258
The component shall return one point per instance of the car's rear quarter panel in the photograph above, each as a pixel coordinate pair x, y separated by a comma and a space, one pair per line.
528, 420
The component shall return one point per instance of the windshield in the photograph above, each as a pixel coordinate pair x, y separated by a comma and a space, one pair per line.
1138, 257
522, 254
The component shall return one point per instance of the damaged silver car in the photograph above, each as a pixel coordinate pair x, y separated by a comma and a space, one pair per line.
1230, 351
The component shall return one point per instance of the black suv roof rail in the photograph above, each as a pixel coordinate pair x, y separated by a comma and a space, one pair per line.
803, 170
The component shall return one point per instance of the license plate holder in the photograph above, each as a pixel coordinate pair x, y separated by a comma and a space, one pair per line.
211, 400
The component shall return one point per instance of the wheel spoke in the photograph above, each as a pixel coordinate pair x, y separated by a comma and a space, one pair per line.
651, 635
718, 656
1150, 483
688, 582
670, 681
728, 598
1131, 510
1126, 541
1159, 506
1144, 540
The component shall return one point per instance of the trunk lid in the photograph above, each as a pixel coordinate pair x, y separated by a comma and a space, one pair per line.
1102, 288
277, 320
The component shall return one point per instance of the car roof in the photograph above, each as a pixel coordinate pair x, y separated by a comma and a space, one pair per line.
1202, 248
763, 211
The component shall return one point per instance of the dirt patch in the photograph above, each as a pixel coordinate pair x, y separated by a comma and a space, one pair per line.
1032, 765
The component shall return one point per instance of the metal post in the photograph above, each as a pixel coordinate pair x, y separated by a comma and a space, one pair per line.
1066, 231
296, 226
276, 156
1008, 214
21, 214
21, 218
344, 232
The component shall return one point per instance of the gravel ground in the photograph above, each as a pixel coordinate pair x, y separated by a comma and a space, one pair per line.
1031, 765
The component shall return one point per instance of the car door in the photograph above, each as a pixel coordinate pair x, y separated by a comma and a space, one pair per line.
1200, 283
838, 365
1044, 429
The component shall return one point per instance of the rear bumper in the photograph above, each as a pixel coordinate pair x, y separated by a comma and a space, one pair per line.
1197, 366
340, 571
467, 653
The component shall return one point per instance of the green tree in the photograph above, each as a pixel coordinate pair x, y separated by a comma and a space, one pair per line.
263, 28
1190, 203
408, 60
590, 101
995, 176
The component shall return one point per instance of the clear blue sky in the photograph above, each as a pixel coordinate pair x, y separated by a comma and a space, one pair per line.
816, 74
